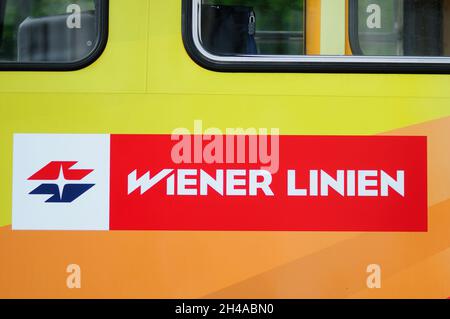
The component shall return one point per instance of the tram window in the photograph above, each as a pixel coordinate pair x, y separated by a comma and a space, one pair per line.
50, 32
409, 36
400, 28
252, 27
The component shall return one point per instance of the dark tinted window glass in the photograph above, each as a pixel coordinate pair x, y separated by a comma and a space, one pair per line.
48, 30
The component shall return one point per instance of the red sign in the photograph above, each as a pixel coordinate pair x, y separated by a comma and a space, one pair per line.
319, 183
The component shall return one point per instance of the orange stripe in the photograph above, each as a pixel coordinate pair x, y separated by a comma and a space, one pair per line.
313, 27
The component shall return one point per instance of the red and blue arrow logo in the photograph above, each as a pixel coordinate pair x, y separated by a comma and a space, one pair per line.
63, 188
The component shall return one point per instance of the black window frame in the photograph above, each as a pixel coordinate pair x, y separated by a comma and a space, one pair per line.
103, 14
352, 64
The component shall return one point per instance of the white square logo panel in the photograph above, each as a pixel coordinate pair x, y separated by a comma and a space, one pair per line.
61, 182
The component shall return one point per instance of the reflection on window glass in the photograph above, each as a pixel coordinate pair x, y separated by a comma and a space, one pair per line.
47, 30
403, 28
265, 27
